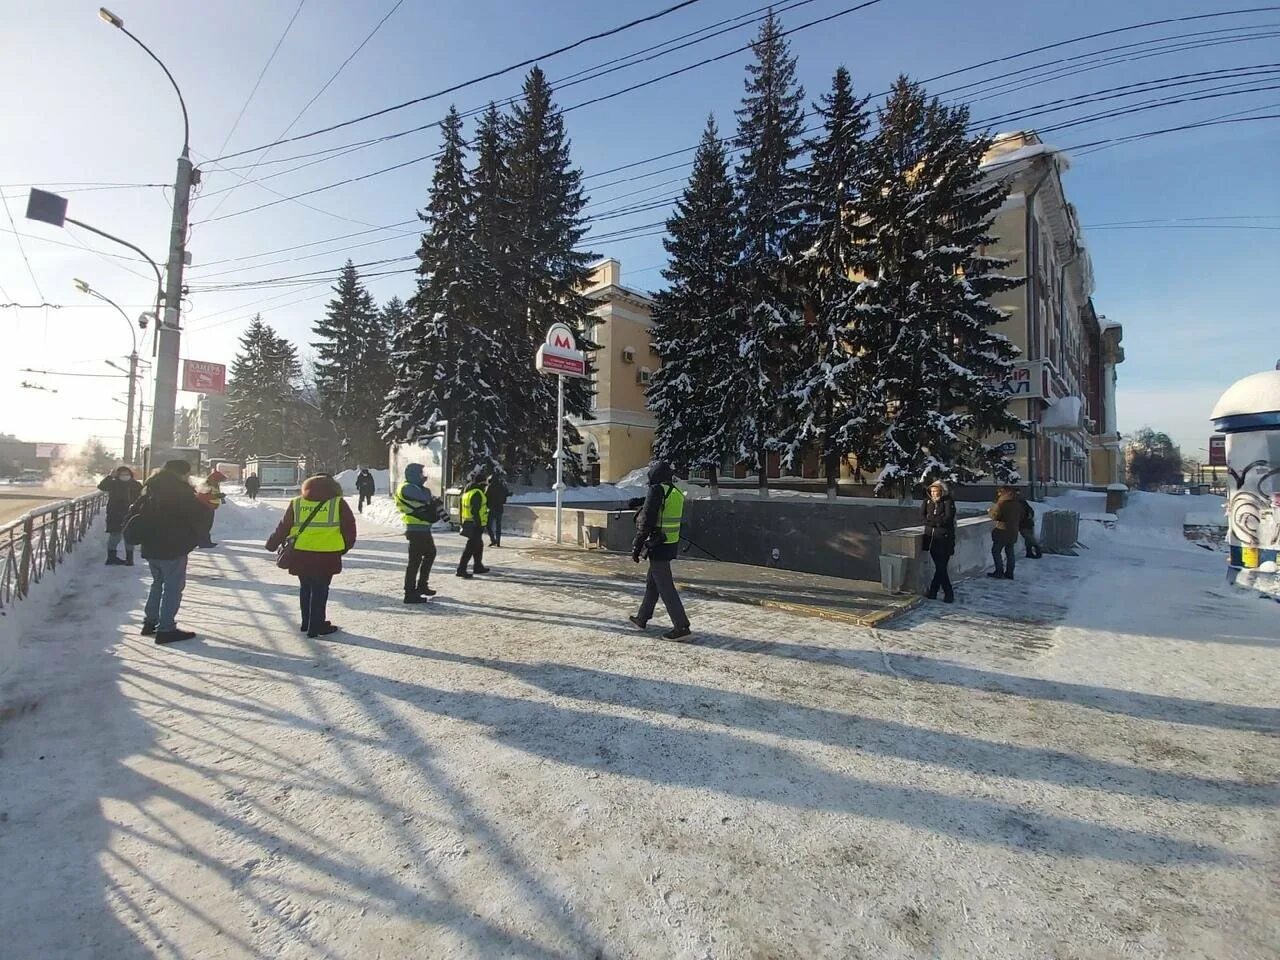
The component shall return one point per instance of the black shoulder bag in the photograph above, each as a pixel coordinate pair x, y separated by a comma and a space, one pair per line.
284, 555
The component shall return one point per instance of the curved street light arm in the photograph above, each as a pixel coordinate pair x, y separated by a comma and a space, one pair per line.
120, 310
138, 250
186, 123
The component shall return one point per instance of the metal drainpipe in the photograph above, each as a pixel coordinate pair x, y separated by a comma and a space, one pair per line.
1033, 312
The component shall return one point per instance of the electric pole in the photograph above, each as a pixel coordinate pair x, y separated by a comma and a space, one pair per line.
168, 331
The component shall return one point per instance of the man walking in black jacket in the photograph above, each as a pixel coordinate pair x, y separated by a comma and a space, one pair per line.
366, 486
659, 536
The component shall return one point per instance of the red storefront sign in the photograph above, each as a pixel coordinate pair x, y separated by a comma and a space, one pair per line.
201, 377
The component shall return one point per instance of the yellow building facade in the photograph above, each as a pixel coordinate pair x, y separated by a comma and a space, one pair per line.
1064, 381
619, 437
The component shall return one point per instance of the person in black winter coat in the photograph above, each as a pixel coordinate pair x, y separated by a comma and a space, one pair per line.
663, 496
497, 491
122, 491
940, 538
366, 487
252, 485
167, 522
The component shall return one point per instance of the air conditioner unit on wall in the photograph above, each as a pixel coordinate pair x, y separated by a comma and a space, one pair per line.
628, 355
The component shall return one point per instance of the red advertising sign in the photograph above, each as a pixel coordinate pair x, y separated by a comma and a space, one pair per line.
201, 377
549, 362
1217, 450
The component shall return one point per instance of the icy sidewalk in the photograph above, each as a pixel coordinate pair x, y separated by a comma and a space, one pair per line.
1042, 769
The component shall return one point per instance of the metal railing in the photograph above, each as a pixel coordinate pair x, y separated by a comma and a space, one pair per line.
37, 542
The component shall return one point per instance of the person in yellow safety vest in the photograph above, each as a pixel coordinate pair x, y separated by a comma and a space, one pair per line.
659, 536
474, 510
420, 510
321, 528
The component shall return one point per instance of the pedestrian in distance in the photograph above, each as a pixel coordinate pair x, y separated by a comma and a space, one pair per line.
474, 511
1027, 527
940, 538
211, 495
1007, 514
497, 492
658, 537
167, 523
122, 492
252, 485
319, 528
366, 487
420, 510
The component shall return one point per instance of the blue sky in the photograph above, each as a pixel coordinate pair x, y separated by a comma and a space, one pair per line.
85, 105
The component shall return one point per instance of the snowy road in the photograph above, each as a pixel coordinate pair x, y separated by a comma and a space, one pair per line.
1081, 764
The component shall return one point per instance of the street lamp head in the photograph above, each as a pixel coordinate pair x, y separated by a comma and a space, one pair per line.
81, 285
110, 18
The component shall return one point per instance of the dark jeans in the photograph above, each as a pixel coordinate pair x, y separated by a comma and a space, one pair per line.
1032, 544
168, 580
473, 550
252, 492
364, 498
495, 527
1003, 545
422, 554
208, 527
659, 583
313, 598
940, 552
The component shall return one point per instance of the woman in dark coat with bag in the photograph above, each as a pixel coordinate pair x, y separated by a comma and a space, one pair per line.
940, 538
316, 530
122, 492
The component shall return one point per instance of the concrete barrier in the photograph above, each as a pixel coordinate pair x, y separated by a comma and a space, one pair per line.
596, 529
972, 556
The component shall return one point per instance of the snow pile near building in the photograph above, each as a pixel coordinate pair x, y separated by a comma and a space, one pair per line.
240, 518
382, 511
381, 479
621, 491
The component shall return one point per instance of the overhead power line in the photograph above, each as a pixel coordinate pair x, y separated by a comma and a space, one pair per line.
467, 83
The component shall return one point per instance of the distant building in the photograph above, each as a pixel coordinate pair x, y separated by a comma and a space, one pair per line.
1064, 381
210, 410
619, 438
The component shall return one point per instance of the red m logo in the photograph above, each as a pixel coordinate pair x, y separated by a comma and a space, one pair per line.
563, 342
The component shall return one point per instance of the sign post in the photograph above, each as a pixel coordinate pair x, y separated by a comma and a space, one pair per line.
560, 357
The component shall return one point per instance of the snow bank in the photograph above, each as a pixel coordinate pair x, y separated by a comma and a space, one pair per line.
381, 479
624, 489
382, 512
25, 615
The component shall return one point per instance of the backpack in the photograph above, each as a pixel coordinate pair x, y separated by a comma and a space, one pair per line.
138, 523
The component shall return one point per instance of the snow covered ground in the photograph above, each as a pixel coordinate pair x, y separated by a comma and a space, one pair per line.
1079, 764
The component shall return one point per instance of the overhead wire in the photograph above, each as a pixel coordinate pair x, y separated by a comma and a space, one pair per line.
480, 79
325, 86
21, 249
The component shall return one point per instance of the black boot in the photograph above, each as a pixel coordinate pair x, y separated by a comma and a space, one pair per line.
113, 560
173, 636
411, 597
128, 558
425, 591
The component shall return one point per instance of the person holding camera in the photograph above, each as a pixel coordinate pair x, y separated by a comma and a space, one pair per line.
658, 537
474, 511
420, 510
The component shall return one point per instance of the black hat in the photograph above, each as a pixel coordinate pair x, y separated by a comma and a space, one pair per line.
181, 467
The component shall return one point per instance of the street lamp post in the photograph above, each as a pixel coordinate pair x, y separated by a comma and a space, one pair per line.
168, 324
84, 287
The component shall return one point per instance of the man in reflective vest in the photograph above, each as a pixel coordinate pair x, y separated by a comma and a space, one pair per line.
474, 510
420, 510
659, 535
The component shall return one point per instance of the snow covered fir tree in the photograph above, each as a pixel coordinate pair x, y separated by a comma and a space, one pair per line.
935, 361
262, 418
447, 347
350, 370
695, 317
500, 261
829, 400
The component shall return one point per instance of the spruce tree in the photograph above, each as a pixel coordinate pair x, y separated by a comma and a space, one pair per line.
770, 122
348, 340
828, 399
443, 357
548, 268
694, 317
261, 417
938, 359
